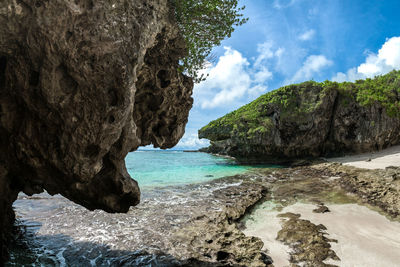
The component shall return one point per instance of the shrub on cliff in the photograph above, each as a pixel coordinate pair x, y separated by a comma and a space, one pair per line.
204, 24
297, 100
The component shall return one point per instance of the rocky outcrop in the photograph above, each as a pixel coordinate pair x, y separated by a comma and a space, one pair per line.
223, 243
310, 120
186, 225
379, 188
82, 83
308, 242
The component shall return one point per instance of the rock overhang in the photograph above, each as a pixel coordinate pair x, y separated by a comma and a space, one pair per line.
82, 83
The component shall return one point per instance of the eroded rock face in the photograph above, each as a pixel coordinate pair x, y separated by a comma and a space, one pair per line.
82, 83
304, 120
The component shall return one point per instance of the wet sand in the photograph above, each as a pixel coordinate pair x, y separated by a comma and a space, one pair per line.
265, 224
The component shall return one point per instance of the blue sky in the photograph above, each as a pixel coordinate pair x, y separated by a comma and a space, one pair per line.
291, 41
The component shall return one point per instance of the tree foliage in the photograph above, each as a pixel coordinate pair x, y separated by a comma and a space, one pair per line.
204, 24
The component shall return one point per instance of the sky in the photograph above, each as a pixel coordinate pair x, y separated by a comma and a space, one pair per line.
291, 41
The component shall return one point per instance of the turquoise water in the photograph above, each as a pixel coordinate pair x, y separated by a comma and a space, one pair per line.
164, 168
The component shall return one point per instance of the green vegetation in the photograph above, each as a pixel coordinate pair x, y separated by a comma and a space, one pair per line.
296, 102
204, 24
257, 116
384, 90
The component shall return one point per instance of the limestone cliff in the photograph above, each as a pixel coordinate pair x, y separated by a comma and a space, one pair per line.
82, 83
311, 119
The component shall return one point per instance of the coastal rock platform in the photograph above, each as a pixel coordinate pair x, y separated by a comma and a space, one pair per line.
209, 224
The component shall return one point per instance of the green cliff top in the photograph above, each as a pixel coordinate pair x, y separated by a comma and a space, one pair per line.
296, 100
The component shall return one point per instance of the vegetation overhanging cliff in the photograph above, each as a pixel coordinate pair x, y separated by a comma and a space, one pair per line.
311, 119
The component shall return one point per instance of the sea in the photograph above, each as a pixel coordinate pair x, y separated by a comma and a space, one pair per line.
173, 167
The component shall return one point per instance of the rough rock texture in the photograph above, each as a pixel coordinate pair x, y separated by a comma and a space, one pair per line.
215, 236
332, 182
82, 83
379, 188
309, 120
187, 225
309, 244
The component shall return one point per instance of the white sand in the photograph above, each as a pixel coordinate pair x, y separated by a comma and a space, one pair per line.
365, 238
374, 160
265, 224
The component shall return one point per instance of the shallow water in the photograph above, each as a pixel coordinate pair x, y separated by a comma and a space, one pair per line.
57, 232
176, 186
264, 223
166, 168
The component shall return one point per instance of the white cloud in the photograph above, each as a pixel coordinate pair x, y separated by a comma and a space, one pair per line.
257, 90
279, 4
279, 52
308, 35
228, 78
192, 141
312, 66
233, 77
387, 59
265, 52
262, 75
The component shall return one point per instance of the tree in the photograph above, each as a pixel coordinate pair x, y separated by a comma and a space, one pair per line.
204, 24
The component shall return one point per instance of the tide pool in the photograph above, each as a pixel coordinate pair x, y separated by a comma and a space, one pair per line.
164, 168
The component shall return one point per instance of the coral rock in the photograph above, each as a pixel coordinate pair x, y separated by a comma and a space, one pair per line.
82, 83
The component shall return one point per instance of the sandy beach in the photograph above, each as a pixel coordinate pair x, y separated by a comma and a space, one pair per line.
365, 237
373, 160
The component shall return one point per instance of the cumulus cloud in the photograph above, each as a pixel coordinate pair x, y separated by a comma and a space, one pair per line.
192, 141
279, 52
233, 77
387, 59
308, 35
229, 78
312, 66
257, 90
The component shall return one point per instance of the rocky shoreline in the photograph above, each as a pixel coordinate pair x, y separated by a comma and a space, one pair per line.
201, 225
193, 225
333, 183
379, 188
